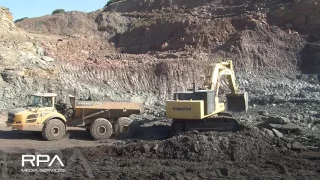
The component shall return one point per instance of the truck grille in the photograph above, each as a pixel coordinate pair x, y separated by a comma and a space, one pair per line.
10, 117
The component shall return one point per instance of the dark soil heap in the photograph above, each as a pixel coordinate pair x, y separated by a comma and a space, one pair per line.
211, 155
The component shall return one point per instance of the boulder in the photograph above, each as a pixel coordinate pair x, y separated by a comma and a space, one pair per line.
313, 112
145, 148
263, 113
276, 120
299, 117
286, 127
296, 146
289, 127
277, 133
289, 146
268, 132
155, 147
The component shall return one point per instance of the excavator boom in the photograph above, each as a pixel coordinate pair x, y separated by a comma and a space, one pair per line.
236, 101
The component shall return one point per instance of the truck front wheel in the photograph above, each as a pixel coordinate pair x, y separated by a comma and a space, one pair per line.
53, 130
101, 129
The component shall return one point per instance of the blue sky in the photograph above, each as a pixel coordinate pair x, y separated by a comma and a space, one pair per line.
36, 8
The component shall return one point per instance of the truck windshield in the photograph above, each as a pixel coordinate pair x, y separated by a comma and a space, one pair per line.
38, 101
34, 101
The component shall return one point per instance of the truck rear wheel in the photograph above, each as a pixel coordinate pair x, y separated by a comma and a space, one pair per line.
121, 126
53, 130
101, 129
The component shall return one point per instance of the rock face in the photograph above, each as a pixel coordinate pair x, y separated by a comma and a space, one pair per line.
6, 17
112, 23
22, 70
218, 27
302, 17
72, 23
104, 54
299, 15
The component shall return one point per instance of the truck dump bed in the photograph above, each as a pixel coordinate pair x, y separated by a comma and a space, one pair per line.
118, 105
87, 111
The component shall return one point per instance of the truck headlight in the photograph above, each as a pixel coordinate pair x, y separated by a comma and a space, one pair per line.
32, 118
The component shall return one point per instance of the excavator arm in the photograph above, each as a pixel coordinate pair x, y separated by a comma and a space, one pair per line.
214, 73
236, 101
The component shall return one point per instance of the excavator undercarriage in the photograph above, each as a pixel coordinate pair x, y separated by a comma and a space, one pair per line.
213, 123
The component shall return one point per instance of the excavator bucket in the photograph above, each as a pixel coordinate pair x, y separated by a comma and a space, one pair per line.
237, 102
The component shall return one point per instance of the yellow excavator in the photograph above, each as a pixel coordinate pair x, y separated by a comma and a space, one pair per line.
202, 110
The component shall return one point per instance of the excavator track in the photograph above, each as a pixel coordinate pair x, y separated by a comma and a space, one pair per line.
213, 123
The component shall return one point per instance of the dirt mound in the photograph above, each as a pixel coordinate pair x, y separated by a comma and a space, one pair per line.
72, 23
242, 146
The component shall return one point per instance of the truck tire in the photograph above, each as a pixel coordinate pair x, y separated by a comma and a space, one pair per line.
122, 126
69, 113
53, 130
101, 129
135, 130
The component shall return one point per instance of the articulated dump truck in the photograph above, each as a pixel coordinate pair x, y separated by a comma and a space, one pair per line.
100, 118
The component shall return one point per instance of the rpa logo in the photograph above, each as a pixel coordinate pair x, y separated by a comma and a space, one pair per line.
35, 160
181, 109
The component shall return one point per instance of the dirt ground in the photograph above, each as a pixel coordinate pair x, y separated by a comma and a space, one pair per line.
246, 154
137, 160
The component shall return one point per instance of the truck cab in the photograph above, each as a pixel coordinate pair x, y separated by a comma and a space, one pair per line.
39, 110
